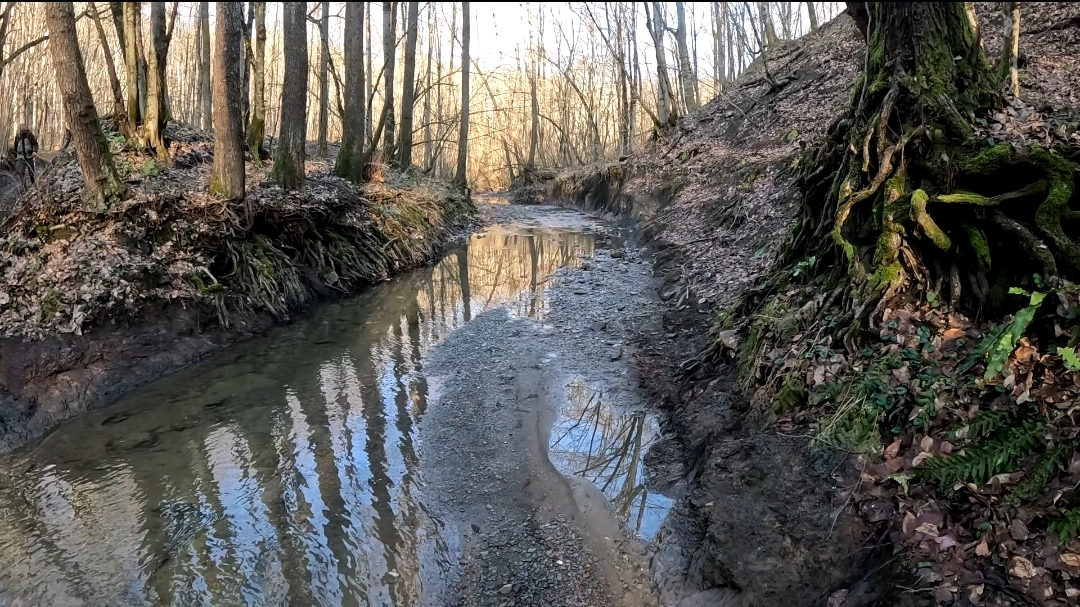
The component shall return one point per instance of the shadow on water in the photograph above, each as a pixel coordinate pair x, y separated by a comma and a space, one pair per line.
607, 446
281, 472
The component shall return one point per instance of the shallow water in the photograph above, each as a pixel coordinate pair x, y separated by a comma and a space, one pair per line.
285, 470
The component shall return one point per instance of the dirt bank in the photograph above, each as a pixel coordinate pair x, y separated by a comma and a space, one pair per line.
93, 304
766, 508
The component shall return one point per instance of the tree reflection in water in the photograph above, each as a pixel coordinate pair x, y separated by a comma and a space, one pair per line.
605, 445
284, 471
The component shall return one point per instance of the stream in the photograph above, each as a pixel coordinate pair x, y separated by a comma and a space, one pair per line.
298, 468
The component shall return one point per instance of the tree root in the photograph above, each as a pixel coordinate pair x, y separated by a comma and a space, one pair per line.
1029, 243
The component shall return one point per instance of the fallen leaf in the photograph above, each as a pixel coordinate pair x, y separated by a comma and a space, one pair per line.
838, 598
946, 541
1021, 567
982, 549
1070, 558
892, 450
928, 528
927, 443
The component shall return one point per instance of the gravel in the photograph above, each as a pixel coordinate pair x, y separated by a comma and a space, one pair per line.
528, 534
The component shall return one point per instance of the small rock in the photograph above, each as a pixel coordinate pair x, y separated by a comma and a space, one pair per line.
616, 353
506, 589
618, 253
599, 325
729, 338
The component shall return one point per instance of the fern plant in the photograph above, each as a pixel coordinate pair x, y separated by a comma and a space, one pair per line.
978, 463
1066, 526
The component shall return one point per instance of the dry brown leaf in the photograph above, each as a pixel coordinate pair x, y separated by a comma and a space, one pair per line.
1021, 567
983, 549
892, 450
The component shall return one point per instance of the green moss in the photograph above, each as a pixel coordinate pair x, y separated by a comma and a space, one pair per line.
979, 244
919, 200
50, 305
1049, 214
988, 161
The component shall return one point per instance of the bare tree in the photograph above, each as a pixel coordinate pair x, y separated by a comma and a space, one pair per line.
289, 159
206, 106
768, 36
257, 128
324, 83
664, 103
156, 108
349, 165
119, 111
687, 77
227, 178
102, 182
812, 11
132, 27
463, 140
408, 92
1010, 46
389, 59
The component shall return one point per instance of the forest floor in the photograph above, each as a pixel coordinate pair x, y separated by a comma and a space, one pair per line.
788, 494
94, 304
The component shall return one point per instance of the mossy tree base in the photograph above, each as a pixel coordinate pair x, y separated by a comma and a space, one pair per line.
905, 195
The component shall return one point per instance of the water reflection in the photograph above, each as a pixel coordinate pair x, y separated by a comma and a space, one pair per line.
283, 472
606, 445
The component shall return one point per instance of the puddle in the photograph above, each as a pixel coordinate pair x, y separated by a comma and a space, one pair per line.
598, 441
285, 470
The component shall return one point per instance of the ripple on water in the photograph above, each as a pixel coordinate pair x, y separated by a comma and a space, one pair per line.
283, 471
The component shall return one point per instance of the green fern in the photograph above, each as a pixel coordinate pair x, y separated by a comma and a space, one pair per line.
978, 463
988, 422
1066, 526
1048, 465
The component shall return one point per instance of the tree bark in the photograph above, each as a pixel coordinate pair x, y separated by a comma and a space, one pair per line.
102, 183
408, 93
349, 161
256, 134
463, 139
1010, 46
926, 75
132, 18
156, 112
390, 59
324, 80
768, 32
206, 106
686, 70
119, 112
289, 159
811, 10
665, 112
227, 178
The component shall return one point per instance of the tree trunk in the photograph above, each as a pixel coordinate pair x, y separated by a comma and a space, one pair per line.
902, 155
389, 59
349, 165
289, 159
324, 81
154, 125
102, 183
369, 75
768, 33
119, 113
812, 12
245, 70
463, 139
665, 111
132, 18
256, 134
686, 70
227, 178
1010, 46
408, 93
206, 105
